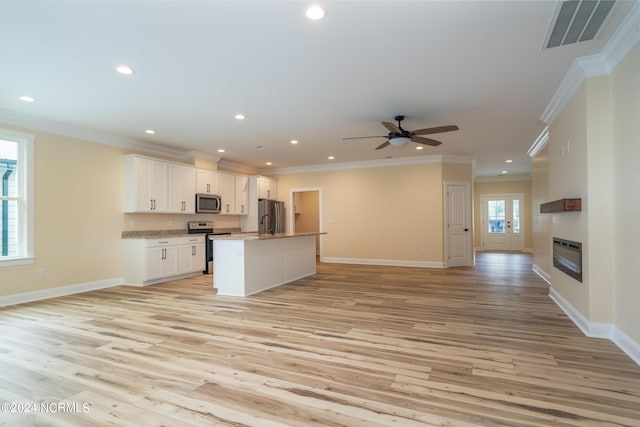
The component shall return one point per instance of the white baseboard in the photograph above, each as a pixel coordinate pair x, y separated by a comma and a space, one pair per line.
389, 262
542, 273
598, 330
59, 292
525, 250
626, 344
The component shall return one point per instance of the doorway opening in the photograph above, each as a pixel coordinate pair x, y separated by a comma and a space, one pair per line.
305, 216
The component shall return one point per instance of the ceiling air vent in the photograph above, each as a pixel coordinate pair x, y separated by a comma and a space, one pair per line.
578, 21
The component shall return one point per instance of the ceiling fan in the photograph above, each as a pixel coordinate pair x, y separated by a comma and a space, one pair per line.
398, 136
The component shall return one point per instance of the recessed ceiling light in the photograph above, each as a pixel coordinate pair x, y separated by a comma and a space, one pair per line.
27, 98
220, 150
124, 69
315, 12
150, 131
294, 142
503, 172
239, 116
269, 163
508, 161
419, 147
331, 158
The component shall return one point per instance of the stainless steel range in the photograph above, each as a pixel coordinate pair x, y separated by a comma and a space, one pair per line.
205, 227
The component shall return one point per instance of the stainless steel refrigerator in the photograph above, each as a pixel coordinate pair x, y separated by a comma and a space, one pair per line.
270, 216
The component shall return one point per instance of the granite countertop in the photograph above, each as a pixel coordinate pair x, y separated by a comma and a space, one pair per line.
256, 236
154, 234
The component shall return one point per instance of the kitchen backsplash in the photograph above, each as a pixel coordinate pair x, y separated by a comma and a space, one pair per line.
152, 221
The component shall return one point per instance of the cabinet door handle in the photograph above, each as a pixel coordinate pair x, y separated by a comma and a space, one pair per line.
208, 188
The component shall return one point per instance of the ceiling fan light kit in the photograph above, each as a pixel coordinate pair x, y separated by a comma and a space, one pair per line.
398, 136
399, 140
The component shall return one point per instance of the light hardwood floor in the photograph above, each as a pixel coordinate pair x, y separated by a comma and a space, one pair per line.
352, 345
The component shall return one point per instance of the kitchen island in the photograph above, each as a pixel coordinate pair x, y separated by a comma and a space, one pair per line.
245, 264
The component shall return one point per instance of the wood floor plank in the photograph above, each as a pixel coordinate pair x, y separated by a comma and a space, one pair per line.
352, 345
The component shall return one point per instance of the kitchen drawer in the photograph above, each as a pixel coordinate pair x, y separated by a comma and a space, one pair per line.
192, 240
167, 241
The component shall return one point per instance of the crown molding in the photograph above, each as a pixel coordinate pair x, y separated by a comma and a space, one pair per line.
380, 163
620, 43
502, 178
231, 166
200, 155
72, 131
539, 143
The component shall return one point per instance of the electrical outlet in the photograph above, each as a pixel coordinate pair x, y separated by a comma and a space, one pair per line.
43, 272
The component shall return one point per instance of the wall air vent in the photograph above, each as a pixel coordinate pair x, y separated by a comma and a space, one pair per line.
577, 21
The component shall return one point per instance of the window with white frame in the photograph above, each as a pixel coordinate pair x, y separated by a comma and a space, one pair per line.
16, 198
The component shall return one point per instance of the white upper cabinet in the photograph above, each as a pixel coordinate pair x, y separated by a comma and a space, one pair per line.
267, 188
207, 181
182, 189
145, 185
227, 192
242, 195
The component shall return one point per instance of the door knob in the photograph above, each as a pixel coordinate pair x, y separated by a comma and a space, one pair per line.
466, 229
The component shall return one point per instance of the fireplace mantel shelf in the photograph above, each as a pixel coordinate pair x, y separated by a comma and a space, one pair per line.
562, 205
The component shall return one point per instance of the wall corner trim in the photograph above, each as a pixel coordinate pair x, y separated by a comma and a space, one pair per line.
597, 330
627, 35
59, 292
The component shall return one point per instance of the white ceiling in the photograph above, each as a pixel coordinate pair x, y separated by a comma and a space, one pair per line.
475, 64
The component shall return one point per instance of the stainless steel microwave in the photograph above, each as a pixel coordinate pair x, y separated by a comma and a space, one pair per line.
208, 203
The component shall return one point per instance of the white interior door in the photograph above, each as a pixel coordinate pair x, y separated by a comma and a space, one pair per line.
459, 246
502, 228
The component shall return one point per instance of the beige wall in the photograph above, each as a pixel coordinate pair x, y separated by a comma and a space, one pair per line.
387, 213
307, 213
78, 215
78, 203
593, 153
625, 100
541, 225
568, 179
502, 187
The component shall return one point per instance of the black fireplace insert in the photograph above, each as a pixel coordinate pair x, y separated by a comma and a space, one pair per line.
567, 257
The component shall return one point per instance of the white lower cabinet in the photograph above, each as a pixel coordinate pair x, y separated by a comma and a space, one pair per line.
192, 253
154, 260
162, 261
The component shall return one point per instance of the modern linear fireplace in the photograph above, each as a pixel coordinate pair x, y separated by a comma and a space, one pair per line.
567, 257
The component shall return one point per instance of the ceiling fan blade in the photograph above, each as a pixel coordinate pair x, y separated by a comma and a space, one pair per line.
425, 141
384, 144
391, 127
363, 137
437, 129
